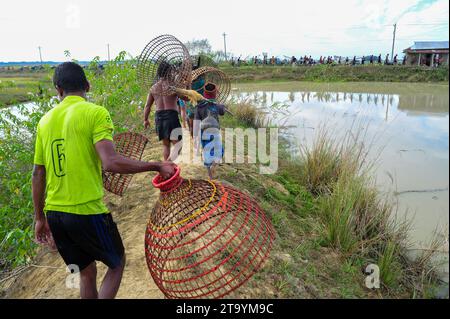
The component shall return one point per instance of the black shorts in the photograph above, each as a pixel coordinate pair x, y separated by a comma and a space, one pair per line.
165, 122
83, 239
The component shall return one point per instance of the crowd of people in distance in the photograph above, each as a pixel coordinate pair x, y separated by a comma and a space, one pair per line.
325, 59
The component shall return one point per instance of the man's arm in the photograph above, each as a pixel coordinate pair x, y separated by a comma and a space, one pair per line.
148, 108
116, 163
189, 95
38, 185
43, 234
182, 97
221, 108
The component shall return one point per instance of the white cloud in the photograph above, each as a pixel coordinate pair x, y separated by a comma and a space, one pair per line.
278, 27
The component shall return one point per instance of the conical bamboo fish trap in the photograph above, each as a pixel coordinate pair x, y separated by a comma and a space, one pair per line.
216, 76
165, 64
204, 239
130, 145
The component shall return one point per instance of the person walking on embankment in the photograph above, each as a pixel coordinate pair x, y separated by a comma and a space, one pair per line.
73, 143
167, 122
207, 113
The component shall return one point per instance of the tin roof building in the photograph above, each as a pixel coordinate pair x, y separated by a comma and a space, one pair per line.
429, 53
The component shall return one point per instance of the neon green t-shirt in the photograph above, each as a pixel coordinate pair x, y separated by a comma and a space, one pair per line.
65, 145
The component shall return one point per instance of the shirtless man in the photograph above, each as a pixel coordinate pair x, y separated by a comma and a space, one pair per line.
166, 116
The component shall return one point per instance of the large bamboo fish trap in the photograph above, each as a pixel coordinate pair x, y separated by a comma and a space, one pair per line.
130, 145
204, 239
216, 76
165, 65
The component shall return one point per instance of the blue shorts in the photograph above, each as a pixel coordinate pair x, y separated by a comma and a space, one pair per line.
212, 148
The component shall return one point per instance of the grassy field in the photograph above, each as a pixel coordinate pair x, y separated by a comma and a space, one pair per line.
16, 86
337, 73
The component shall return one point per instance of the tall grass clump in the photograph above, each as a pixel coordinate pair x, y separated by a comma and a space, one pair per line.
248, 114
331, 158
356, 216
358, 220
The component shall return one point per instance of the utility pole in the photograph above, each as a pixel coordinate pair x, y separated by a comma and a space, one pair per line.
109, 58
225, 45
40, 53
393, 42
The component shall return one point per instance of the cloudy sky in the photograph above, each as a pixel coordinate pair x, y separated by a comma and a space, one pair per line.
281, 27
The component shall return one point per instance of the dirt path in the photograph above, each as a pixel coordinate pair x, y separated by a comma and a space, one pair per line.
46, 278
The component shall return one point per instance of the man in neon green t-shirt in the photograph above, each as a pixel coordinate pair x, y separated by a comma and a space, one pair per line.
73, 143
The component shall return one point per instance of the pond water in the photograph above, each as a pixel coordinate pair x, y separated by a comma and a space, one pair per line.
406, 127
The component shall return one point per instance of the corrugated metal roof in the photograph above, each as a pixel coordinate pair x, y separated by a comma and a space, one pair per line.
429, 45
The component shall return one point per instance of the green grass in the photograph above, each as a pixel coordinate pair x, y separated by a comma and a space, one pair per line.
16, 87
332, 222
338, 73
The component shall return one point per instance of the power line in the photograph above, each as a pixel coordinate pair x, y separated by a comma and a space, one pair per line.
384, 25
446, 23
360, 41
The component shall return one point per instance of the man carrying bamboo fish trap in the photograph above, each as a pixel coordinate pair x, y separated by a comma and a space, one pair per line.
74, 143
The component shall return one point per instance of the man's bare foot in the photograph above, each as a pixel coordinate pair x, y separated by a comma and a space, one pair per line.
210, 175
213, 170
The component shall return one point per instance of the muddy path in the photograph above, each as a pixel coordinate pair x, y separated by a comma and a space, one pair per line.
46, 277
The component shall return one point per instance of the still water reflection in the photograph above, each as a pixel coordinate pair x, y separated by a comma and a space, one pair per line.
407, 129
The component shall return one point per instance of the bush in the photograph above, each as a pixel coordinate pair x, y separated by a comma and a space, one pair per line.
114, 87
17, 136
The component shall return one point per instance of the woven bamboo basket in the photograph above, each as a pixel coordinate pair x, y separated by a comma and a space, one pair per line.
164, 64
216, 76
204, 239
130, 145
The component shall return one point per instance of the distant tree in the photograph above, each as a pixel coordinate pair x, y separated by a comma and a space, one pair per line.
219, 56
199, 46
67, 53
